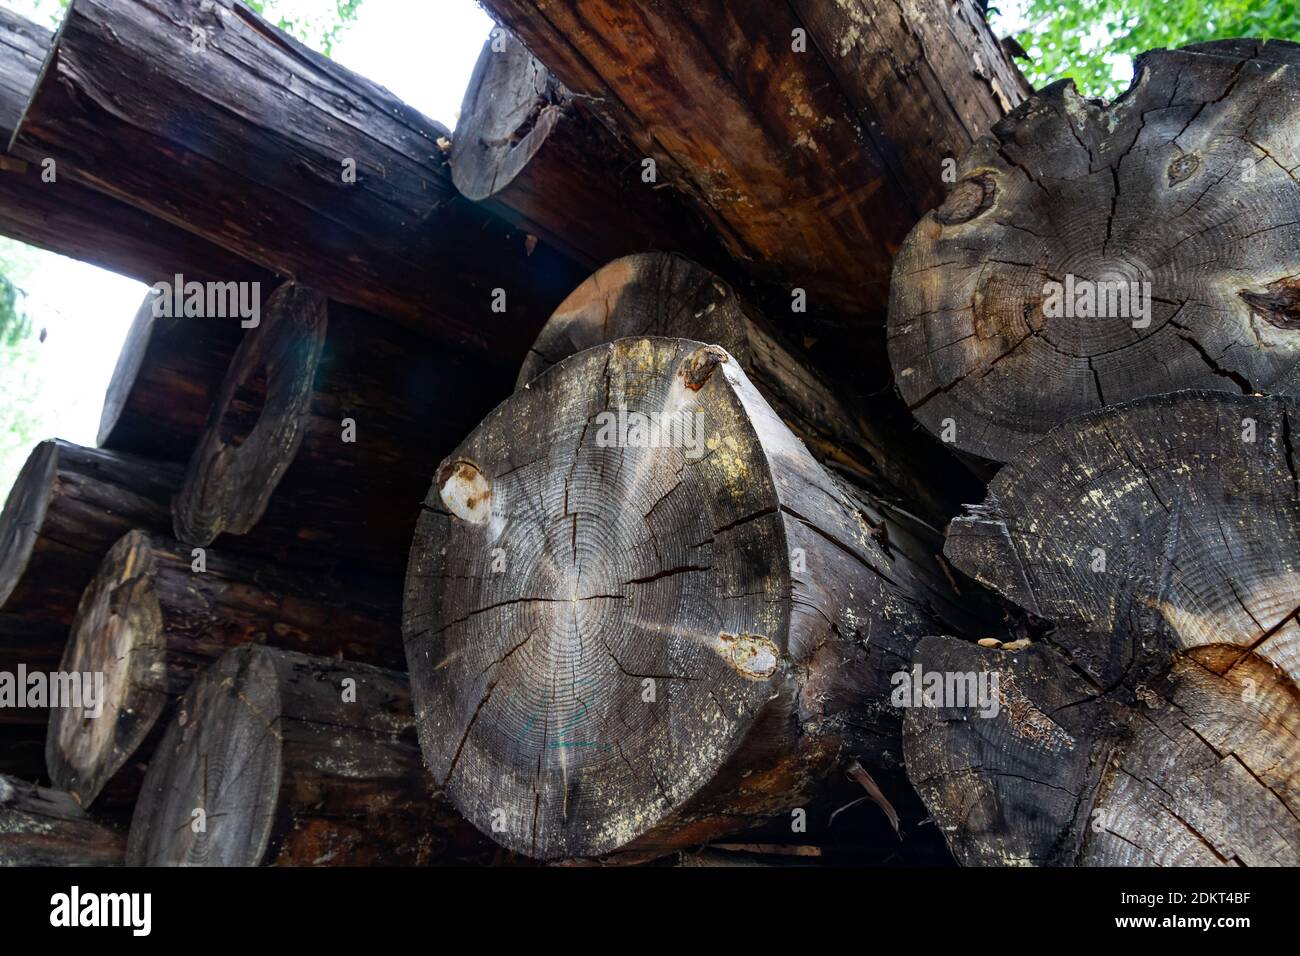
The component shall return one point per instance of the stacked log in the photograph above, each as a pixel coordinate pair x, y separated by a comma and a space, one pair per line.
43, 827
280, 758
347, 190
752, 113
151, 621
1114, 251
1155, 723
319, 446
623, 643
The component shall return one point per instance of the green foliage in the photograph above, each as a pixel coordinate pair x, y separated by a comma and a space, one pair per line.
1083, 39
15, 325
319, 23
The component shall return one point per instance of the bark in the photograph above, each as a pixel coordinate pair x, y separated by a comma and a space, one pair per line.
534, 153
68, 506
167, 374
1184, 184
288, 769
273, 465
618, 646
808, 163
42, 827
1155, 721
150, 623
664, 294
270, 175
75, 221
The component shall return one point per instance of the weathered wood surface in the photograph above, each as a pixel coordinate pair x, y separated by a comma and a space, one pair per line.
533, 152
149, 622
665, 294
75, 221
271, 760
273, 465
68, 506
204, 115
44, 827
1155, 720
1182, 191
808, 164
170, 368
623, 644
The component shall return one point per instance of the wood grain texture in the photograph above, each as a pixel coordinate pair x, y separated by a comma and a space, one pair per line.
666, 294
807, 164
558, 568
532, 151
44, 827
263, 173
1185, 184
150, 623
288, 772
1155, 721
75, 221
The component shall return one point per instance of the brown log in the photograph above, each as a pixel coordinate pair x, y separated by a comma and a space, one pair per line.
167, 374
43, 827
279, 758
270, 176
808, 164
639, 645
1182, 192
533, 152
272, 464
661, 294
149, 622
68, 506
1154, 721
75, 221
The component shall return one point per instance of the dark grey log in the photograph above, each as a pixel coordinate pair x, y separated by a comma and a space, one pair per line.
1154, 720
43, 827
150, 622
1175, 208
279, 758
623, 644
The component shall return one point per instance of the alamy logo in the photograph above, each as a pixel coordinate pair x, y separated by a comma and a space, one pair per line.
75, 908
977, 690
1087, 299
58, 689
627, 429
214, 300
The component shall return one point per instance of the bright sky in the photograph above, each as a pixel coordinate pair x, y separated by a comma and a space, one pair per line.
422, 50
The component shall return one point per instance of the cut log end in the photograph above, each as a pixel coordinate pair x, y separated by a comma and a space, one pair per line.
118, 633
1112, 251
511, 106
258, 421
24, 515
211, 795
590, 679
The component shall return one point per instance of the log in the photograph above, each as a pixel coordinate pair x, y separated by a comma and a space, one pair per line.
1154, 721
619, 642
273, 465
76, 221
665, 294
347, 189
167, 374
267, 763
1112, 251
43, 827
67, 507
150, 623
801, 149
530, 150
